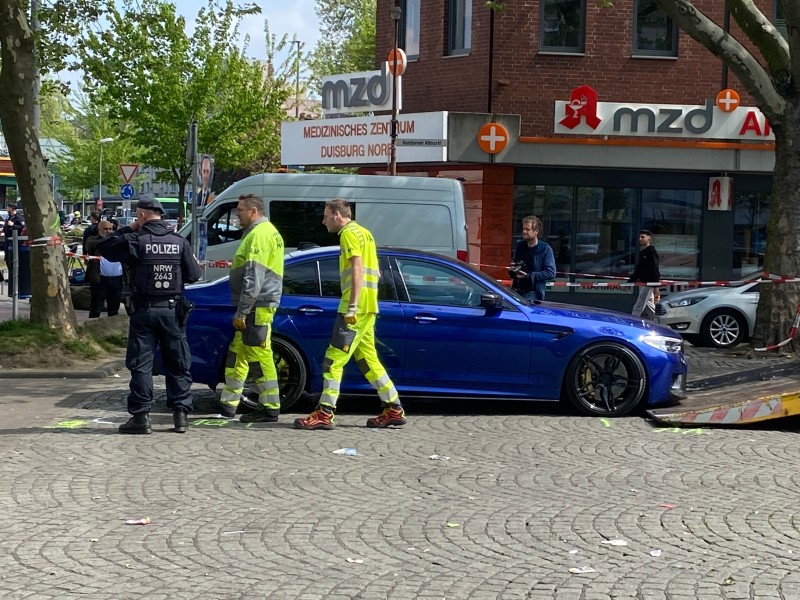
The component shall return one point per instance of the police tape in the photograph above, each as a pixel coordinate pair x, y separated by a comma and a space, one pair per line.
792, 334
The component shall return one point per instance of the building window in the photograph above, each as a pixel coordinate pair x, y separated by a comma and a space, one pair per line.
459, 38
656, 34
409, 28
562, 25
780, 20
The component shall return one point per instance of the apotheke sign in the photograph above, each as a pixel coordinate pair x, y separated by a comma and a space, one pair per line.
368, 91
363, 140
585, 114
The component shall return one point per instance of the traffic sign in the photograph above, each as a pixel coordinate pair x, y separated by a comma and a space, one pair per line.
402, 61
127, 191
128, 172
421, 143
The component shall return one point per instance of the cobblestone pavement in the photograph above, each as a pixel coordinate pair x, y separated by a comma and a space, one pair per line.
266, 511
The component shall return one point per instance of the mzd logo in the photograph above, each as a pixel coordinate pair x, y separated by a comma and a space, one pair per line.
584, 114
357, 92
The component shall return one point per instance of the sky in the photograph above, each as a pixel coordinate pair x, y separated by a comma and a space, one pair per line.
293, 17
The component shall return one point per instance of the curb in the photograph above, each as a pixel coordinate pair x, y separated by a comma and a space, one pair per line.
746, 376
107, 370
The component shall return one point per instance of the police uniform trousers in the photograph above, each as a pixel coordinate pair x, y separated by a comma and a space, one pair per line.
155, 322
357, 341
250, 352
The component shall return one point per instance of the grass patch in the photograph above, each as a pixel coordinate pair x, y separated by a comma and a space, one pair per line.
23, 337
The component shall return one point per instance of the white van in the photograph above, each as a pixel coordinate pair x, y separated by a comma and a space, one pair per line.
411, 212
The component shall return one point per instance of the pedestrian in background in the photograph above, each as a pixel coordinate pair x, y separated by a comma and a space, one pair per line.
13, 223
646, 271
354, 328
92, 229
534, 263
104, 276
160, 263
256, 282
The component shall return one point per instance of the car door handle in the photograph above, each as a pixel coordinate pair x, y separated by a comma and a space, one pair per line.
424, 319
309, 310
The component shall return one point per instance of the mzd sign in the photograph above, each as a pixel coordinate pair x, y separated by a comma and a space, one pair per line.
584, 114
369, 91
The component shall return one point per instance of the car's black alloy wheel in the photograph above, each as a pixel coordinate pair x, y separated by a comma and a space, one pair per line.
606, 379
292, 372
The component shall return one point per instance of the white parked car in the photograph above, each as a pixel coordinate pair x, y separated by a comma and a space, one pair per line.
720, 317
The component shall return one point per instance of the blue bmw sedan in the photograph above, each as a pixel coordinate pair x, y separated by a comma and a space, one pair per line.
448, 330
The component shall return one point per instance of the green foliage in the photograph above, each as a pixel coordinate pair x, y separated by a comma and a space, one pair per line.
347, 40
172, 78
499, 6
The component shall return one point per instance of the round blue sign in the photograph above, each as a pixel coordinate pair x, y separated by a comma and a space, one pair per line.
127, 192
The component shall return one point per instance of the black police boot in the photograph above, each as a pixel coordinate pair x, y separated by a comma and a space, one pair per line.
138, 423
181, 421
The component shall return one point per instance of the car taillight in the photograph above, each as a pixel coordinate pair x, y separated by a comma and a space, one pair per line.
462, 255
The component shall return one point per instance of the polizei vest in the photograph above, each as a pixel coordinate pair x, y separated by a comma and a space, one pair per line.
159, 270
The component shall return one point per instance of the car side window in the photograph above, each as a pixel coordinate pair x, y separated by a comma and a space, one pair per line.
331, 282
301, 280
428, 283
329, 276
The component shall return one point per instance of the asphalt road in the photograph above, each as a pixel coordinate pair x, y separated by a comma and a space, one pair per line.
527, 494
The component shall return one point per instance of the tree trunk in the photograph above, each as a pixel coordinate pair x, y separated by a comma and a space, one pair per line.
778, 302
51, 303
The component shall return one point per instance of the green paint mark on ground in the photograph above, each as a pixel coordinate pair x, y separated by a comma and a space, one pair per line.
605, 422
70, 424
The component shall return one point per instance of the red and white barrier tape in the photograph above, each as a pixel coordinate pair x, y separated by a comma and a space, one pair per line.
792, 334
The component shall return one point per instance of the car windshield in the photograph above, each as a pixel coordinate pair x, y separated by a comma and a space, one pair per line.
486, 278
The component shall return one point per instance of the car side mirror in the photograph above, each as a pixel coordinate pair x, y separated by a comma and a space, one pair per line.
491, 300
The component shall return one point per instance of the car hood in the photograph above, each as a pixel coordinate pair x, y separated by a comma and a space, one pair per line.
706, 291
572, 311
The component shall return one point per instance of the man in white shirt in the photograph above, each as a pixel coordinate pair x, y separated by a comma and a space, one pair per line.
105, 277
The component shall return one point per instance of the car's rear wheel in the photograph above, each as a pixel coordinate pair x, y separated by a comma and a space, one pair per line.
292, 372
606, 380
723, 328
292, 376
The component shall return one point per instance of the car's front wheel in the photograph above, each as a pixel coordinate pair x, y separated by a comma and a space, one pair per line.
606, 379
292, 372
723, 328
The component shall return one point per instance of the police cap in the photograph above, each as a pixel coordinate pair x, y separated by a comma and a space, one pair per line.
150, 204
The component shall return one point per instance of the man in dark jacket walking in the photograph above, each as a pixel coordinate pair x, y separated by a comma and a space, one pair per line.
646, 271
535, 260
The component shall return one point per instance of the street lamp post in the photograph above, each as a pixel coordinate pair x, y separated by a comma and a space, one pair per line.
396, 12
107, 140
297, 81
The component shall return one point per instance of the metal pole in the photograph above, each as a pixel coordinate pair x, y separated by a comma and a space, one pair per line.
100, 191
195, 186
393, 145
297, 82
15, 274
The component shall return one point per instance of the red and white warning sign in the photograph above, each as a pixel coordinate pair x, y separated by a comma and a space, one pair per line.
128, 172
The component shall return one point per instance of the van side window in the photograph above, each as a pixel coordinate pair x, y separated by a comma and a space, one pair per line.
301, 280
301, 222
223, 225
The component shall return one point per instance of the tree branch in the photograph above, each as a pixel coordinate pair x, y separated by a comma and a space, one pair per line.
791, 12
744, 65
762, 33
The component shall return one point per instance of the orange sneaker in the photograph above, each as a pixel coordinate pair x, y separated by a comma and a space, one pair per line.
391, 415
321, 418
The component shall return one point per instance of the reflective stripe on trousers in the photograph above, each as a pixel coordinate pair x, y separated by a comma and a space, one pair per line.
256, 361
363, 350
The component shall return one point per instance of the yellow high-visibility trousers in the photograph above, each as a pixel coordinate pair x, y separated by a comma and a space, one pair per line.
250, 352
357, 341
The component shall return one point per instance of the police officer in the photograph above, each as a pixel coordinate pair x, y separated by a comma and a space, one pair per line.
256, 283
160, 263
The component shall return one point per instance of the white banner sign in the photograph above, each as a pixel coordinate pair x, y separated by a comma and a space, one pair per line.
584, 115
362, 140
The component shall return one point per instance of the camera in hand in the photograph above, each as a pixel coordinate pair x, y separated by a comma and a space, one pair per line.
515, 268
